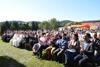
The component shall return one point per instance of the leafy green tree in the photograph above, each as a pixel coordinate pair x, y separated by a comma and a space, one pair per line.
44, 25
26, 26
40, 25
35, 25
15, 25
54, 23
7, 25
4, 26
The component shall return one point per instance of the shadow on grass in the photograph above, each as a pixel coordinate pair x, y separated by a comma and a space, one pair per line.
6, 61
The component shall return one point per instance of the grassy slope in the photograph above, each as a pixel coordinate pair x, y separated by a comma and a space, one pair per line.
12, 57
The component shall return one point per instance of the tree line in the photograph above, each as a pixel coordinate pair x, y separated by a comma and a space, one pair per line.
32, 25
18, 25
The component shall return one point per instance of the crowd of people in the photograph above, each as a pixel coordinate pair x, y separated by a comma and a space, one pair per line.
73, 48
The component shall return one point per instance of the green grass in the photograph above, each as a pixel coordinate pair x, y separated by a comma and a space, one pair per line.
15, 57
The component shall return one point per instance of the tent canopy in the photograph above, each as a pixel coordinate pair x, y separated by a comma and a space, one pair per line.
85, 25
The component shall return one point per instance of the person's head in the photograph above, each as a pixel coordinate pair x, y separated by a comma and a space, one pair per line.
47, 34
99, 35
43, 34
87, 37
75, 36
64, 34
60, 37
95, 35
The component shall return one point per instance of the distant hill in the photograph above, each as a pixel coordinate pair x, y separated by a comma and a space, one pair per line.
62, 23
91, 21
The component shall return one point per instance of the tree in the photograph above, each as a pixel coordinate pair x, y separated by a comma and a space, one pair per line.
14, 25
54, 23
34, 25
44, 25
4, 26
40, 25
7, 25
26, 26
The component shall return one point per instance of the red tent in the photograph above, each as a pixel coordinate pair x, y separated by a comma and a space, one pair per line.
85, 26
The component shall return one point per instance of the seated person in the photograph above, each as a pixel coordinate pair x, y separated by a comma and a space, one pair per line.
96, 46
86, 52
72, 51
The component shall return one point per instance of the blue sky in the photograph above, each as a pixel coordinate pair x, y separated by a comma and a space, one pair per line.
39, 10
